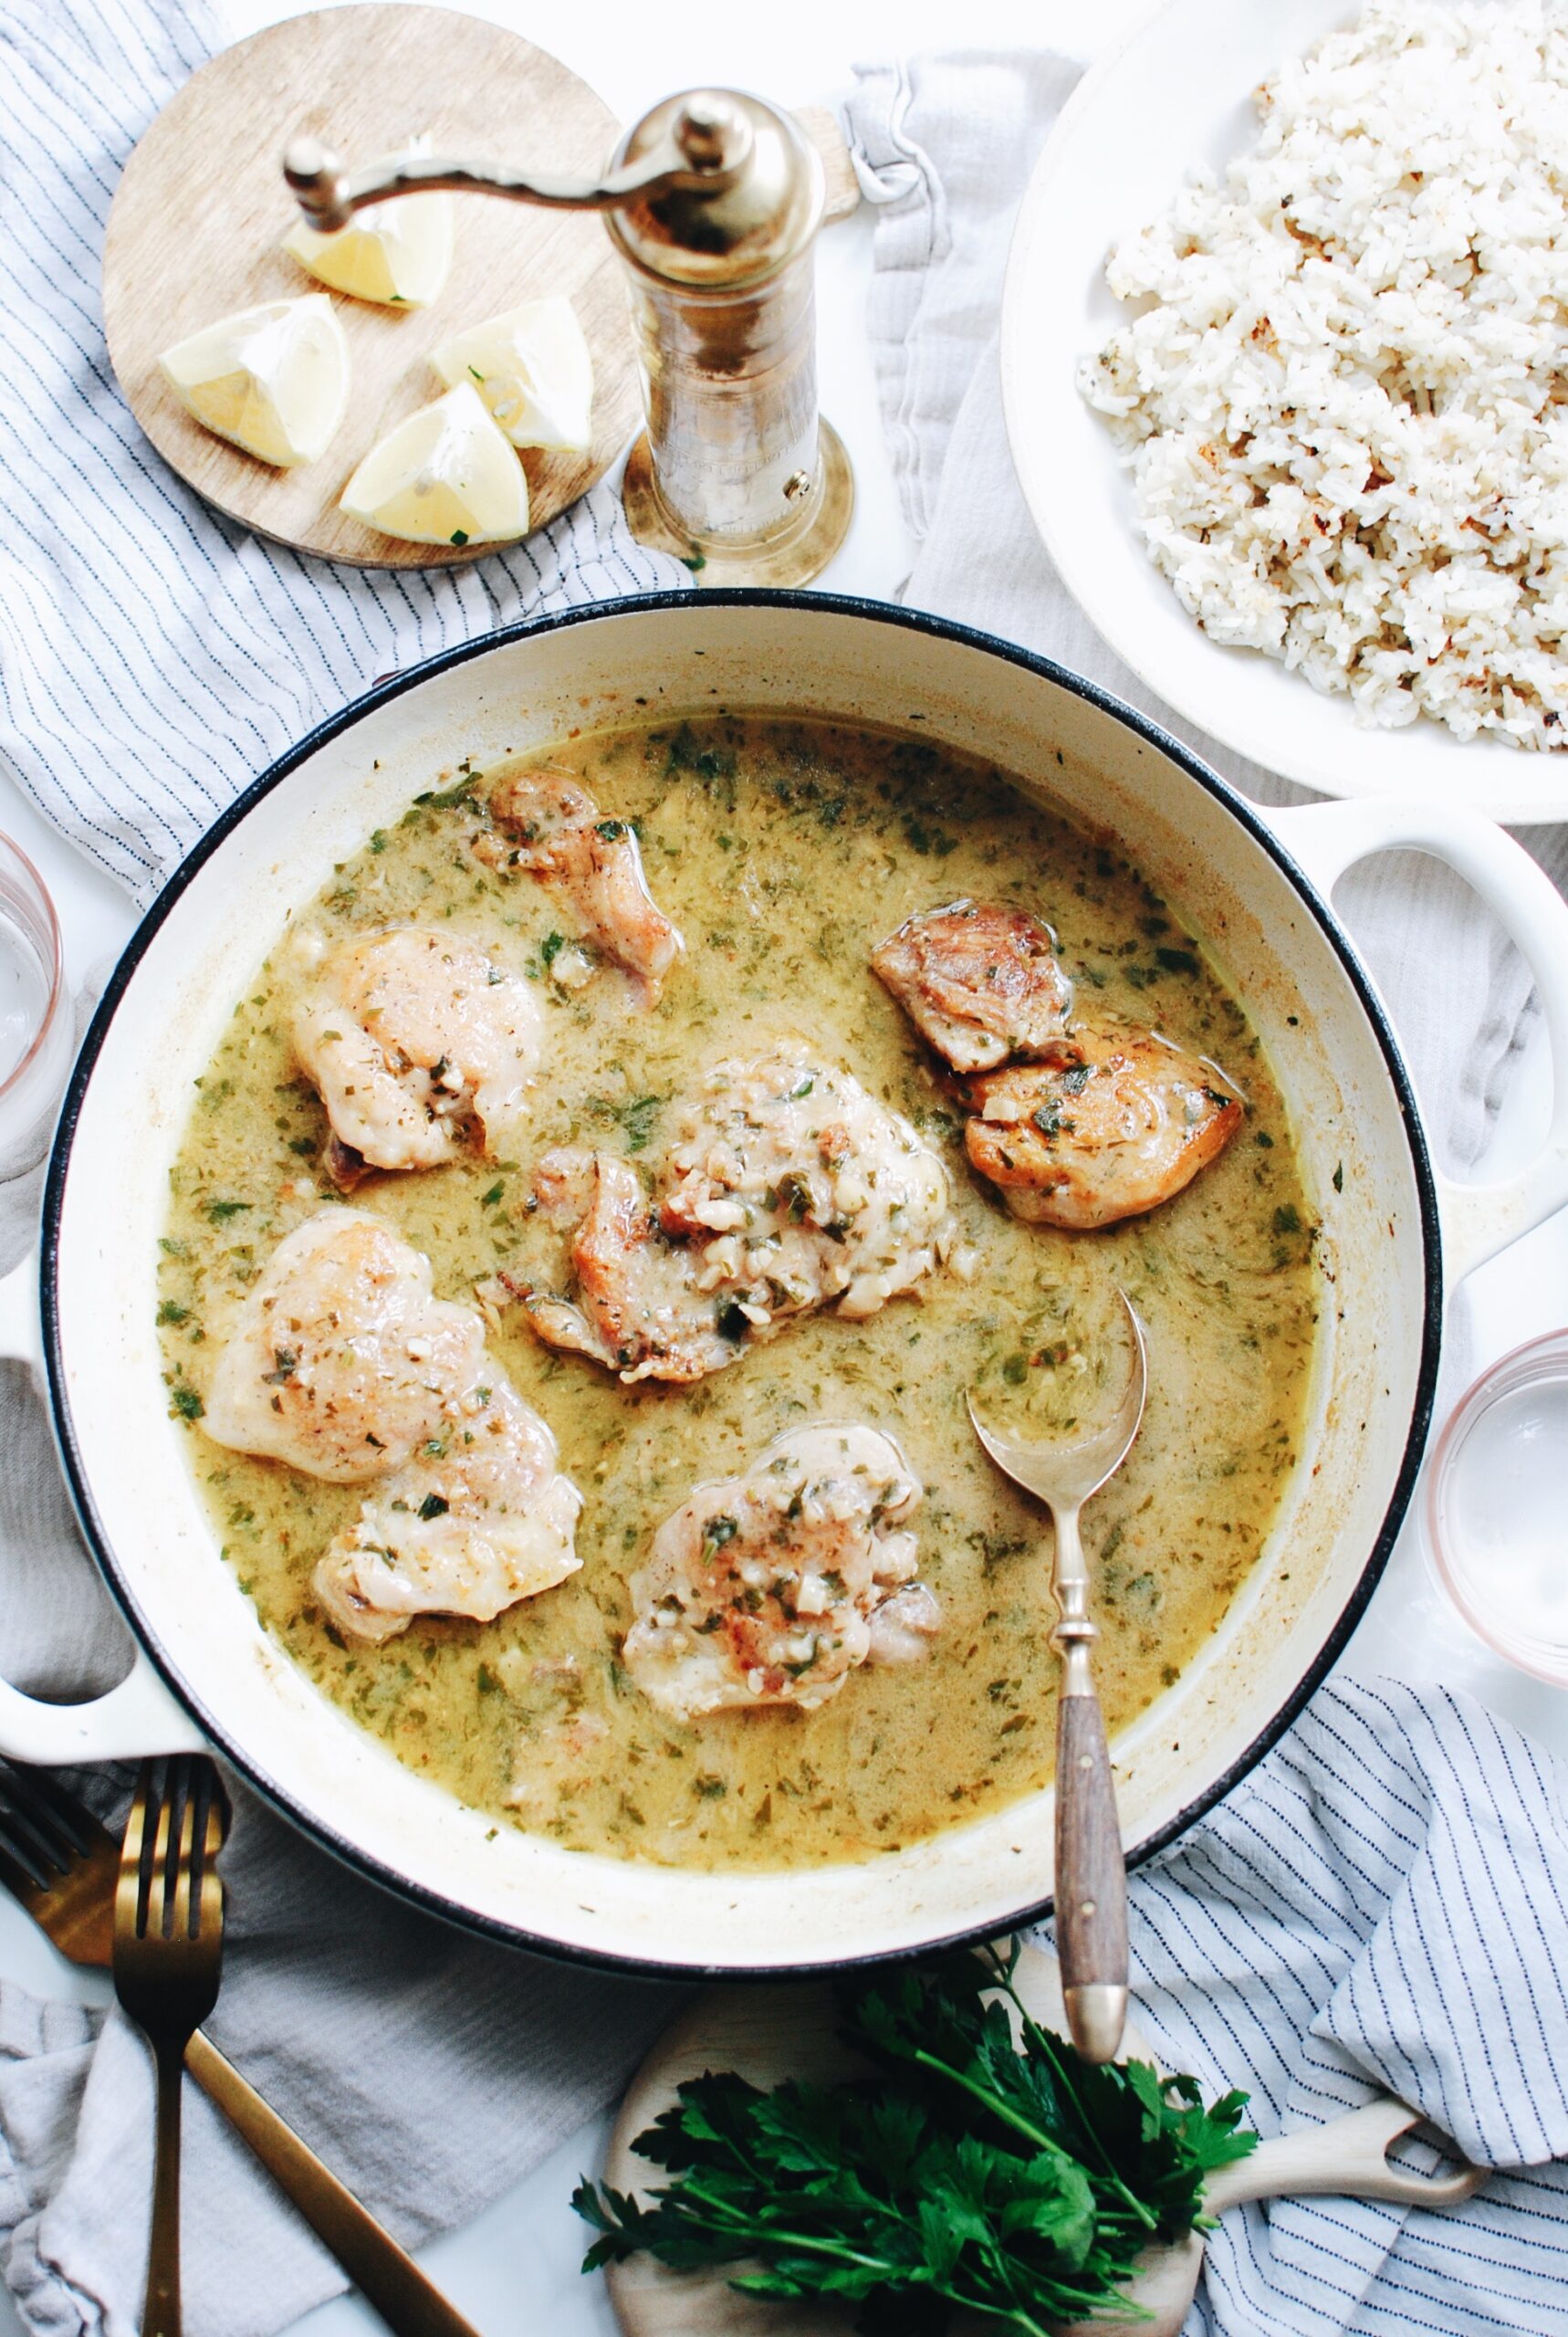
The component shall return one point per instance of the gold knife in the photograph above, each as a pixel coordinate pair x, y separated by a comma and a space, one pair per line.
61, 1864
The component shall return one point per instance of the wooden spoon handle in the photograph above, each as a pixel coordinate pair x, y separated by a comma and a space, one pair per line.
1091, 1872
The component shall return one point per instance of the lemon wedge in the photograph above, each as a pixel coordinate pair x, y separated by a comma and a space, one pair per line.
396, 252
533, 370
446, 476
274, 379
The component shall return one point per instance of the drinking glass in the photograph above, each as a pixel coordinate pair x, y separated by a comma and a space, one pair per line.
1496, 1492
35, 1009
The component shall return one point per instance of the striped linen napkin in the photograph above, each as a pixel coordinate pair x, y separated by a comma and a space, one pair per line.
1384, 1899
1383, 1903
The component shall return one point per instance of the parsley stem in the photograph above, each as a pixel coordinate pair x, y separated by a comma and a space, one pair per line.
727, 2220
1043, 2045
993, 2101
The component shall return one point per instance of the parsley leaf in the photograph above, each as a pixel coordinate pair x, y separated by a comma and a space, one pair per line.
637, 1118
1176, 961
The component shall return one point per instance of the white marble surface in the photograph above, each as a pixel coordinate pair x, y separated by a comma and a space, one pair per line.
514, 2269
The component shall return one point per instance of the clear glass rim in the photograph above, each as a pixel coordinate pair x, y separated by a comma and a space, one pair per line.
1520, 1367
32, 884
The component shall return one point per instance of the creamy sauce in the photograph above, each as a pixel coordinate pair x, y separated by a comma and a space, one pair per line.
785, 850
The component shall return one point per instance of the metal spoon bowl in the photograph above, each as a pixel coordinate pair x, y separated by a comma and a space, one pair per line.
1091, 1872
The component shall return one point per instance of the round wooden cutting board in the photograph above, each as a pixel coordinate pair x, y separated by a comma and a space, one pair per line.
767, 2034
195, 226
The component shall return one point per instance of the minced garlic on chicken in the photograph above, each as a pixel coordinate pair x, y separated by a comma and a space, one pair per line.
787, 1187
763, 1588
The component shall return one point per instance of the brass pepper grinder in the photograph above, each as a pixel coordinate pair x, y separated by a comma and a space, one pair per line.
713, 201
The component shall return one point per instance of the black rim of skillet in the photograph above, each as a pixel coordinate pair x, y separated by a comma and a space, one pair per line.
691, 603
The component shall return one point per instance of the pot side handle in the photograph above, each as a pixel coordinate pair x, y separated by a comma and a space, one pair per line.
1346, 2159
1325, 838
138, 1717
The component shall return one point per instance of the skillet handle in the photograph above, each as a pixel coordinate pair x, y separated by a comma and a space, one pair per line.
1326, 839
132, 1722
138, 1716
1345, 2159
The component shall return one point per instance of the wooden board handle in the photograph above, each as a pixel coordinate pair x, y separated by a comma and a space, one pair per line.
841, 189
1091, 1881
1345, 2159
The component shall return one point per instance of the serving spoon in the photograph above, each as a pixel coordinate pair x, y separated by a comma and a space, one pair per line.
1091, 1872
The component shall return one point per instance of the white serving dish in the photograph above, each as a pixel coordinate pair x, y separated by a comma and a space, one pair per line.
1174, 94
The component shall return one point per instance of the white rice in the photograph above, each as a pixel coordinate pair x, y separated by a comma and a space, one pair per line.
1343, 401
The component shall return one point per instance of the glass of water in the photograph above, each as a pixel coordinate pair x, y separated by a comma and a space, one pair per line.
1497, 1494
34, 1010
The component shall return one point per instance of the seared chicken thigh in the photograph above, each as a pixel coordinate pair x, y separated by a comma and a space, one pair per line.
341, 1361
479, 1518
764, 1589
638, 1309
417, 1043
1108, 1122
803, 1187
1109, 1137
547, 822
342, 1364
787, 1185
979, 981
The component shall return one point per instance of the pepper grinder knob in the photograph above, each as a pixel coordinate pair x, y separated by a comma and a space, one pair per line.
710, 133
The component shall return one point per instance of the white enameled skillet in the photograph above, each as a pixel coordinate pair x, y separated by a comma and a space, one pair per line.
1254, 886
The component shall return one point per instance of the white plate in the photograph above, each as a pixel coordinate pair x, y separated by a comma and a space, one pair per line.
1176, 93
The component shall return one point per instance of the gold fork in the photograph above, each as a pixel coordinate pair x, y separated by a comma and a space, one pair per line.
168, 1960
62, 1866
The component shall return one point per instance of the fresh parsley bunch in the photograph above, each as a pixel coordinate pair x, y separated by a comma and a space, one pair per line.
984, 2167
